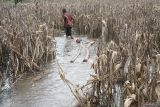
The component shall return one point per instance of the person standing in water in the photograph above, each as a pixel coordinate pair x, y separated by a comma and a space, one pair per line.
68, 23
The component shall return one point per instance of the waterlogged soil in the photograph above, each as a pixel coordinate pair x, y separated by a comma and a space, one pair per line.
47, 89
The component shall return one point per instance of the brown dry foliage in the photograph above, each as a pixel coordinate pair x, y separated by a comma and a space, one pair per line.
128, 48
129, 53
26, 38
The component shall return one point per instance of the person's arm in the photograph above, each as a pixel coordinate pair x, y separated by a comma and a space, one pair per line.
64, 19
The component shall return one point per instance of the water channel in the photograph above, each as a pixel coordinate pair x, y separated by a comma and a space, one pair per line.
49, 90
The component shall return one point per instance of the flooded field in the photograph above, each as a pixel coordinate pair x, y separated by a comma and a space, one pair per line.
49, 90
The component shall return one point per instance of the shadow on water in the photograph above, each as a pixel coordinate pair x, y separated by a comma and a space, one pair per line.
49, 90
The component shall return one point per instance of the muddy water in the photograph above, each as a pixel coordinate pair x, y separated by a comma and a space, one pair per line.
49, 90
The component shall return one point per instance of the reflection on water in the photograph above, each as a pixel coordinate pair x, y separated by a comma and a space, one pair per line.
118, 94
50, 91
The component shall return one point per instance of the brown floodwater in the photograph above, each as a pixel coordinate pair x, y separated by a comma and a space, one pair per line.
49, 90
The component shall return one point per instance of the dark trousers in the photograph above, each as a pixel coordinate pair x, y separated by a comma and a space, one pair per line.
68, 31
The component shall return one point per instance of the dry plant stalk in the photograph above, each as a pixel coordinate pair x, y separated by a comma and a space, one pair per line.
128, 51
26, 40
130, 54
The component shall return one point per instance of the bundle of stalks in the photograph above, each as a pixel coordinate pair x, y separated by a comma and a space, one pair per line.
128, 51
130, 54
26, 38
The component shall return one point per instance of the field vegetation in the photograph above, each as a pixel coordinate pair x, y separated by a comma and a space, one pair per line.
128, 51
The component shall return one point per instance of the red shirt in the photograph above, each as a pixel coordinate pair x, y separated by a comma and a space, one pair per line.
68, 20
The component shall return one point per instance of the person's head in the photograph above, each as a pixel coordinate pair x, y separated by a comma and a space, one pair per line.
64, 10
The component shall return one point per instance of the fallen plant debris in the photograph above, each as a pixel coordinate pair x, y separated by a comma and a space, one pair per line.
26, 41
